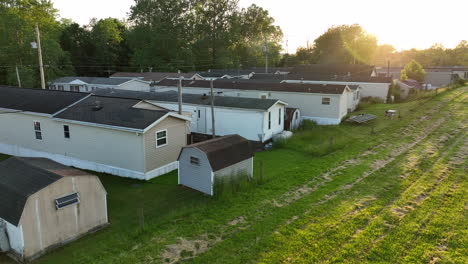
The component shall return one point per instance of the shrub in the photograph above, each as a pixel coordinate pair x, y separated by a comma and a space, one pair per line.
372, 100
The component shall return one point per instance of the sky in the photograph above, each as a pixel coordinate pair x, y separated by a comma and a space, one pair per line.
405, 24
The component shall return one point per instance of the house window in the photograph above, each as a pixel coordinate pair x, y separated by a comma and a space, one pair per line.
67, 200
66, 131
195, 161
60, 87
161, 138
269, 120
37, 130
325, 100
279, 116
296, 116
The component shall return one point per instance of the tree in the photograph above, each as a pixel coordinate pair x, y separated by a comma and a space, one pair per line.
347, 44
110, 47
17, 21
413, 70
161, 35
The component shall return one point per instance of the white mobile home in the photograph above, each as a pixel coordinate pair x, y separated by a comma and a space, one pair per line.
45, 205
252, 118
202, 163
88, 84
325, 104
103, 134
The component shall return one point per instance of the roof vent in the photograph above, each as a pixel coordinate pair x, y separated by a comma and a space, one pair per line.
97, 106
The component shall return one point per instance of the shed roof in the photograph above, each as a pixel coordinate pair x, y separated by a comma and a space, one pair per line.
93, 80
37, 100
225, 151
220, 101
260, 86
23, 177
112, 111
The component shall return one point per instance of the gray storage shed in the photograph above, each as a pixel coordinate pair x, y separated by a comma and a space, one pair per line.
201, 163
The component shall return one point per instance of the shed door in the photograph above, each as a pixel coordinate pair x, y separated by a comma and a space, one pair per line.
201, 119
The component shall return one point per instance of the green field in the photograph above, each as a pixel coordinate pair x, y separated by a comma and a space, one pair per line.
393, 191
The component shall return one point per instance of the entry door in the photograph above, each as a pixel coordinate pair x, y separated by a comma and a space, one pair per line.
201, 124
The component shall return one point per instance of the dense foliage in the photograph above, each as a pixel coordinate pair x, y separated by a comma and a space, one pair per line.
187, 35
413, 70
160, 35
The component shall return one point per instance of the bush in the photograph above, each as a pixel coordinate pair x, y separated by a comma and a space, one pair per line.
372, 100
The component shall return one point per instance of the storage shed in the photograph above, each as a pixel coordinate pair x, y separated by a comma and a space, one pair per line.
201, 163
45, 204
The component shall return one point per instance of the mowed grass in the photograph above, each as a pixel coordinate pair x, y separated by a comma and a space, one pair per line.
345, 219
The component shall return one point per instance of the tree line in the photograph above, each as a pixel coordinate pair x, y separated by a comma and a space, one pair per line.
158, 35
351, 44
186, 35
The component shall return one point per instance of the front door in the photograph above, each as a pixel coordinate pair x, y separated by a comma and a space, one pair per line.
201, 120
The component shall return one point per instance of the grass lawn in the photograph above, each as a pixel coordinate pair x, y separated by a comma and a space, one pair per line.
389, 191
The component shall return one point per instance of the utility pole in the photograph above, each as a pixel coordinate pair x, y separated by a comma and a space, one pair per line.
179, 88
39, 51
212, 109
388, 68
18, 77
265, 49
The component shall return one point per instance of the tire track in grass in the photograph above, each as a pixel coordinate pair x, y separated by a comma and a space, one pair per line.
324, 224
377, 231
205, 241
316, 183
187, 249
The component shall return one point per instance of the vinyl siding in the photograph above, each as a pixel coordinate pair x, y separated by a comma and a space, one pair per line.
177, 130
245, 166
111, 147
59, 226
197, 177
228, 121
310, 104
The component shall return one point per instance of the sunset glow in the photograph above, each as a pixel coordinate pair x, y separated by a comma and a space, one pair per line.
403, 24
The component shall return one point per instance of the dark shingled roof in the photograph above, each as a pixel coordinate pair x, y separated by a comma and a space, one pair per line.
269, 76
94, 80
225, 151
20, 179
152, 76
327, 72
221, 101
113, 111
260, 86
37, 100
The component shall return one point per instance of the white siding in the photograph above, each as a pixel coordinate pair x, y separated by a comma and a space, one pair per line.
120, 152
310, 104
198, 177
246, 123
135, 85
15, 236
379, 90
